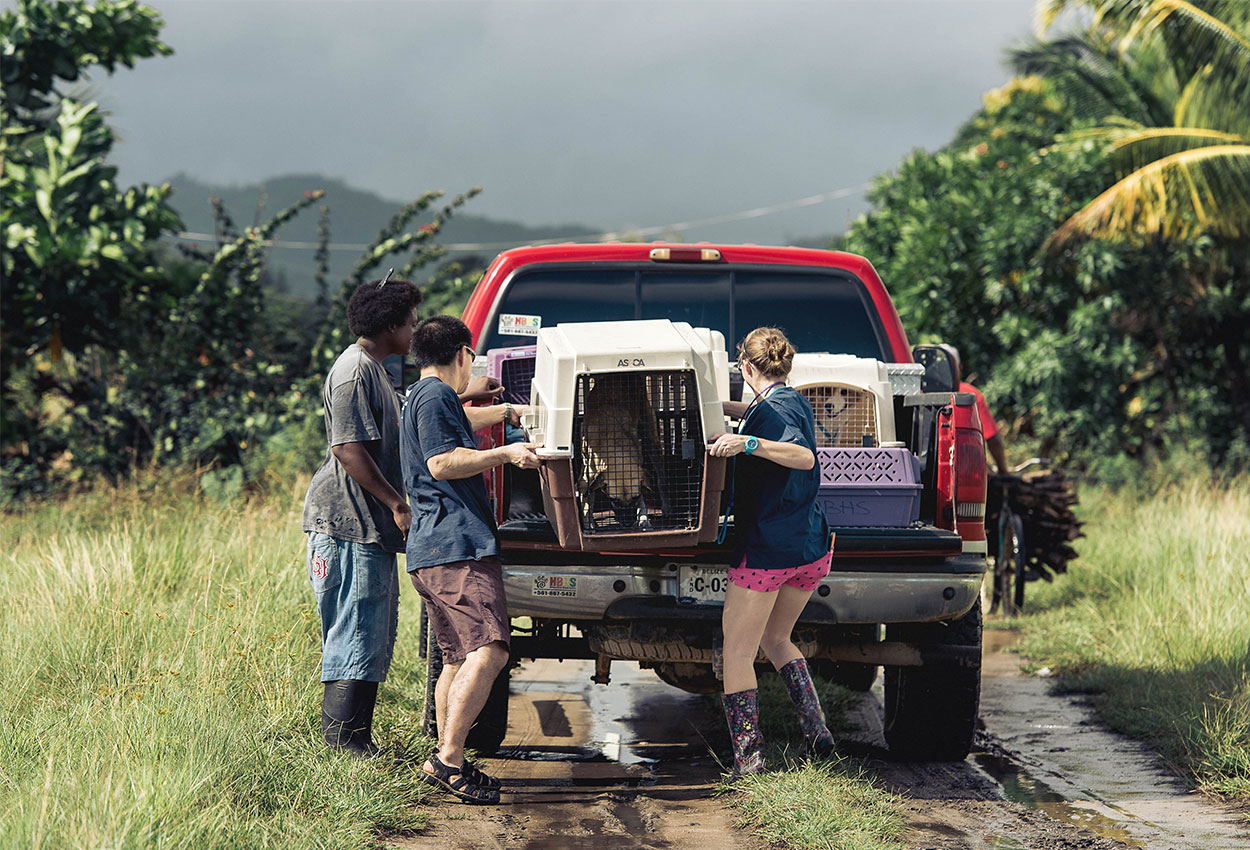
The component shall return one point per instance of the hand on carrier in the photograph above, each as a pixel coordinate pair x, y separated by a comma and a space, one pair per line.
481, 388
522, 455
728, 445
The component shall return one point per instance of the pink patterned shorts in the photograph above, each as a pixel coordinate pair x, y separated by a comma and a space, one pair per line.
804, 577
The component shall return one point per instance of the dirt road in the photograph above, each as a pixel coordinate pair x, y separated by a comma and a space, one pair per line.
630, 765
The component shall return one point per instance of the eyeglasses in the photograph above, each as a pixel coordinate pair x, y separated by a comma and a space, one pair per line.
472, 353
382, 282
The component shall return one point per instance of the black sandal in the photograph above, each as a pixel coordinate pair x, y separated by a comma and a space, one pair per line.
479, 777
462, 787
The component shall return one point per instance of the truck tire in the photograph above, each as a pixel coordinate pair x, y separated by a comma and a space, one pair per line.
852, 675
931, 711
487, 733
433, 668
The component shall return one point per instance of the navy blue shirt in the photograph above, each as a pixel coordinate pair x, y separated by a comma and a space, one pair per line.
451, 520
778, 522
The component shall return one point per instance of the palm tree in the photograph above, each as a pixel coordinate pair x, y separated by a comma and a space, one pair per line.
1166, 85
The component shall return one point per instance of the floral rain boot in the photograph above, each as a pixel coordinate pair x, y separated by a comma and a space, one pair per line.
816, 735
742, 713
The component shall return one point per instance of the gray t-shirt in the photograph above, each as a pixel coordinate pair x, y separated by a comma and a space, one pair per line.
361, 407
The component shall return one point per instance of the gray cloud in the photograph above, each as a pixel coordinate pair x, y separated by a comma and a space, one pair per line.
611, 113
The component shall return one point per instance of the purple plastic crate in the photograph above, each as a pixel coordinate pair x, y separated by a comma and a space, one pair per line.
868, 466
514, 367
869, 486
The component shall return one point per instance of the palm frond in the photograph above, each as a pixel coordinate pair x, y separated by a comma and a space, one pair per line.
1091, 78
1200, 189
1199, 27
1046, 11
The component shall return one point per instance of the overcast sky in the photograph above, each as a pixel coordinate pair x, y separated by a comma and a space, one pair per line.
616, 114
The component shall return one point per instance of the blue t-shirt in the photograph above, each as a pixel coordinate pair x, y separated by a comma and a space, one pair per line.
451, 520
779, 524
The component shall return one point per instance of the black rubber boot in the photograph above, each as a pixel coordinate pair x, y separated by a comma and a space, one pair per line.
347, 716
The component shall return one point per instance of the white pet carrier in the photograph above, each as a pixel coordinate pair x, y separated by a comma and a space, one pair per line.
851, 397
625, 412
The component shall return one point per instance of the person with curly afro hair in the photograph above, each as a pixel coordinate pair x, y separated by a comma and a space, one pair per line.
356, 516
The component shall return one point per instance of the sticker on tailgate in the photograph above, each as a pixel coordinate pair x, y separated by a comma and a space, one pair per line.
555, 585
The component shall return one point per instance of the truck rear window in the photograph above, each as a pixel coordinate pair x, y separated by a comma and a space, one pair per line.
819, 310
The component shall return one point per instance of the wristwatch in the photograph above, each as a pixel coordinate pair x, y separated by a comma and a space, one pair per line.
752, 444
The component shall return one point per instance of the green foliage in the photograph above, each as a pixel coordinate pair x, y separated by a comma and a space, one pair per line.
76, 246
1096, 349
1166, 85
50, 40
117, 353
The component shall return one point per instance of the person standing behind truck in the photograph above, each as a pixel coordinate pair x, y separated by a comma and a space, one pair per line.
993, 437
453, 553
355, 516
783, 547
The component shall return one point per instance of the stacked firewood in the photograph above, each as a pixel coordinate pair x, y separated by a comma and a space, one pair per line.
1043, 499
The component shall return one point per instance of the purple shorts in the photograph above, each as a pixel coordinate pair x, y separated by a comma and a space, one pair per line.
804, 577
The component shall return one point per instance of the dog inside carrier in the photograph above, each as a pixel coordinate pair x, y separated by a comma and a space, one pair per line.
852, 398
625, 412
640, 464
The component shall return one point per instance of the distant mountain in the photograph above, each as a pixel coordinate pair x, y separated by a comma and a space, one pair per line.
356, 216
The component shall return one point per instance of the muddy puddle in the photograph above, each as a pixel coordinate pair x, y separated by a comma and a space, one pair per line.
630, 765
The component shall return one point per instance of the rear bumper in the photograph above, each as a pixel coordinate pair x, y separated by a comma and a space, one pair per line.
863, 591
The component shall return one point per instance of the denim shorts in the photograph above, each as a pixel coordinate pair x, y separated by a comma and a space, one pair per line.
357, 590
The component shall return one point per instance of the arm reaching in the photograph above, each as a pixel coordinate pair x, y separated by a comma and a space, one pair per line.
789, 455
465, 463
359, 464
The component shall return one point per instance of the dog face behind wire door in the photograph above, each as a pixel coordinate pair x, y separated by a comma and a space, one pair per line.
844, 414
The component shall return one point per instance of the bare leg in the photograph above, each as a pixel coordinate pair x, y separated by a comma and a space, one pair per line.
743, 620
792, 666
441, 688
466, 696
776, 639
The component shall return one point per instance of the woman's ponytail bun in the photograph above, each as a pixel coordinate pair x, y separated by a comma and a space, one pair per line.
768, 350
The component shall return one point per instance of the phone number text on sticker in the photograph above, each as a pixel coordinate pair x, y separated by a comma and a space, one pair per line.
515, 323
555, 585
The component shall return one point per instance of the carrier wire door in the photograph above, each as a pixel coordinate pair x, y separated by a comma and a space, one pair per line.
845, 414
639, 454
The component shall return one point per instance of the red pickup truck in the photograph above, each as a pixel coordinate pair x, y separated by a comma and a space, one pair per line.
905, 598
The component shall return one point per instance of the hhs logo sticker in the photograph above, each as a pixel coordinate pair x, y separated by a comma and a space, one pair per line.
555, 585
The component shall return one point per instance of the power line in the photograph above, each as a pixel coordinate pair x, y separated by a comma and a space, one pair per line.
606, 236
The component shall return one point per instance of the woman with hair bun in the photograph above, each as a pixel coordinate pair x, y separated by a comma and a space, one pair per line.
783, 546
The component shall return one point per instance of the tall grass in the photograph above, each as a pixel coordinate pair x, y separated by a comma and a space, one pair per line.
1154, 621
160, 662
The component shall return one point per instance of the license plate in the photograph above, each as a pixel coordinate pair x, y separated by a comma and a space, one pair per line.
702, 584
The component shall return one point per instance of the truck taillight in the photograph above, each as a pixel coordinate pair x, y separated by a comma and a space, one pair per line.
685, 255
970, 488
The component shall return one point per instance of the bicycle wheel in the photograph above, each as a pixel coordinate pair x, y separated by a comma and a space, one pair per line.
1005, 563
1019, 561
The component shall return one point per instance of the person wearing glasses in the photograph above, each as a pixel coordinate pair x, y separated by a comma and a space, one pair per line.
453, 553
356, 517
783, 547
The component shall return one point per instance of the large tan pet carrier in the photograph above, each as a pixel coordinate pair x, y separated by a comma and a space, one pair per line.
625, 412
